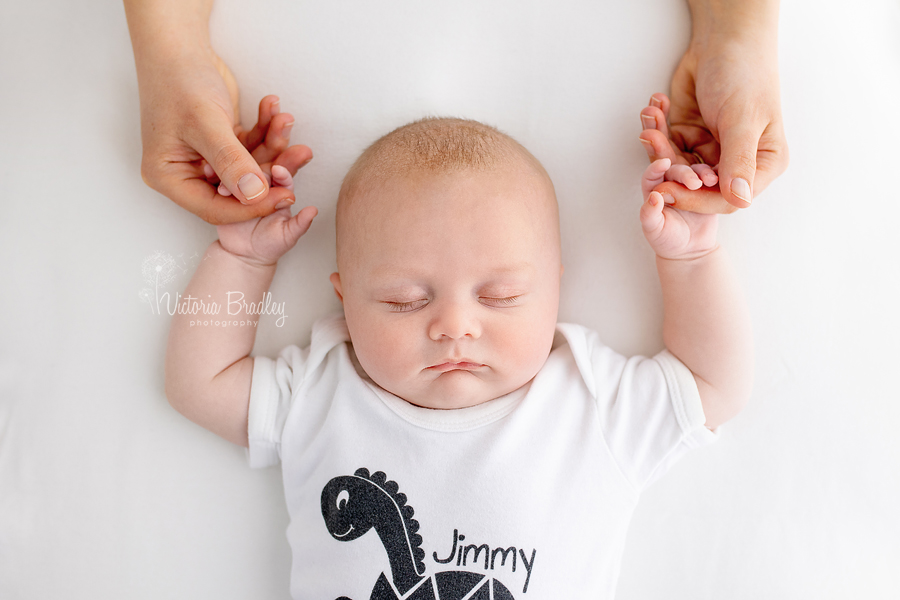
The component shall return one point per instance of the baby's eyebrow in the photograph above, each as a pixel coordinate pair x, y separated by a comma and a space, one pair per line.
412, 275
514, 268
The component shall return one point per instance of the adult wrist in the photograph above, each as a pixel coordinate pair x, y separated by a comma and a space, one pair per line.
168, 30
715, 22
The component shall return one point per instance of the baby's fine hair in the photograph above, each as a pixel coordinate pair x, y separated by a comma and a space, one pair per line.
434, 145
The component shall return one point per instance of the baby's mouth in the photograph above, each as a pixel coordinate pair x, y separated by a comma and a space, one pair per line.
455, 366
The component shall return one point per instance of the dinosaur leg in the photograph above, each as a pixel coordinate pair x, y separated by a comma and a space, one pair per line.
383, 590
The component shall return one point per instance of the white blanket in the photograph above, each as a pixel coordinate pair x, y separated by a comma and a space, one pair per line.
107, 493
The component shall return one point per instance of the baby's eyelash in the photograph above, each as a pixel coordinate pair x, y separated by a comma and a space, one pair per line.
505, 301
406, 306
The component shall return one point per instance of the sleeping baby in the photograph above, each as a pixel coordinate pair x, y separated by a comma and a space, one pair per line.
444, 436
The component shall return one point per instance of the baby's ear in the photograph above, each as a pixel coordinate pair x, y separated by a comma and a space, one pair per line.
336, 282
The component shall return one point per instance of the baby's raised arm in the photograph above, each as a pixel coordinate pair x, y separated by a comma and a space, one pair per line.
705, 319
208, 367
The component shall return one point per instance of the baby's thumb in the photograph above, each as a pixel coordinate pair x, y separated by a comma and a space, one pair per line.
299, 224
737, 164
238, 170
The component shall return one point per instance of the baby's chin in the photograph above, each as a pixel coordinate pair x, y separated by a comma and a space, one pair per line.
457, 389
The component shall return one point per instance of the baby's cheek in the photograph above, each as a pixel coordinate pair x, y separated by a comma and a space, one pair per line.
526, 349
388, 349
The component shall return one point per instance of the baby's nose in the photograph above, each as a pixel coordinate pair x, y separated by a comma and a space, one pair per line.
456, 321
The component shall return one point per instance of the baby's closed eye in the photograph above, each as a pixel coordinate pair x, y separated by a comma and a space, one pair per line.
507, 301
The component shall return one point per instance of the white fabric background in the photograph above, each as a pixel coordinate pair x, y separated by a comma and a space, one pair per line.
106, 492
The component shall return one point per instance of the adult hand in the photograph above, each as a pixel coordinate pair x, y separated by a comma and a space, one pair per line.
725, 110
193, 140
190, 122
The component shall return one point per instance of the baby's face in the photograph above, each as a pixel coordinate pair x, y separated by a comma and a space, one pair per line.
450, 284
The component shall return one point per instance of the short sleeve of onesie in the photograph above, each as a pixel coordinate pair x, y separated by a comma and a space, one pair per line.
276, 382
649, 408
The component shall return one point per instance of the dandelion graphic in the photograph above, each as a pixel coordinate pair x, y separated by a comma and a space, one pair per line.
159, 269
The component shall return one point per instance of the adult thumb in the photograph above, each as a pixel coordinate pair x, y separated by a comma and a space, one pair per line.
737, 163
231, 161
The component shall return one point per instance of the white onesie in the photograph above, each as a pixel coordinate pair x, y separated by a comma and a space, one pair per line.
526, 496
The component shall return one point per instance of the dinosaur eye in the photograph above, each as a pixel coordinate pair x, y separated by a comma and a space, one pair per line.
342, 498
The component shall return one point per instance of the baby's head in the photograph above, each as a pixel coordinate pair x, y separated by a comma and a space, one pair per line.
448, 262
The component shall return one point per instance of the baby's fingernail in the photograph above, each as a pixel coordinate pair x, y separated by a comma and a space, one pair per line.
251, 186
208, 170
224, 191
283, 204
668, 199
648, 121
655, 102
286, 132
741, 189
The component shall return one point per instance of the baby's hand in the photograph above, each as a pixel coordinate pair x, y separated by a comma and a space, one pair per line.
674, 233
262, 241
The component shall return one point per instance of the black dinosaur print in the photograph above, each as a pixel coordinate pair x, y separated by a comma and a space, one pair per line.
354, 504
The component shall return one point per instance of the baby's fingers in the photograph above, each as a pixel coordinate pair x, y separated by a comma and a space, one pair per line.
282, 177
684, 175
706, 173
652, 219
654, 175
299, 224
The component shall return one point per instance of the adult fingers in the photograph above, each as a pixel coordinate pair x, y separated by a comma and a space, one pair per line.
737, 164
658, 146
196, 195
661, 101
704, 200
277, 139
214, 139
772, 157
654, 118
294, 157
269, 107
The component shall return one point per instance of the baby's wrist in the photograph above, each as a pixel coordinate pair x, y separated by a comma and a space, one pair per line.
250, 261
694, 255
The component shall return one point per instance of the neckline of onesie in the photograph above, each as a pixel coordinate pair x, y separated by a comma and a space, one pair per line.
451, 420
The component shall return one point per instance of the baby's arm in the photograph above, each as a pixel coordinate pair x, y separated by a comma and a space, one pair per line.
706, 322
209, 368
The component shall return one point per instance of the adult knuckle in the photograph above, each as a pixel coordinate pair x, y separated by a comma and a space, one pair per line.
227, 158
746, 160
150, 172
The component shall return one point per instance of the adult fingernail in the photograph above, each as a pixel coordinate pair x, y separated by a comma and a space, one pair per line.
648, 121
286, 132
741, 189
283, 204
654, 101
275, 107
251, 186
